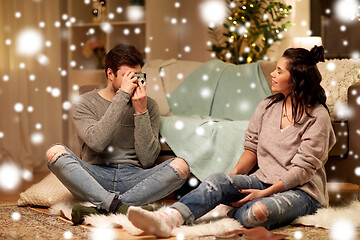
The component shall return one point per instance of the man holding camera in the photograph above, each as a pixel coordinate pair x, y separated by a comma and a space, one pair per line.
118, 128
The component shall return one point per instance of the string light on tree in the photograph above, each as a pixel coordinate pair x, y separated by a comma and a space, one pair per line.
249, 43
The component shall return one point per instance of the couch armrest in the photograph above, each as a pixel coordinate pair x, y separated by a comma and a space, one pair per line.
342, 168
354, 121
341, 148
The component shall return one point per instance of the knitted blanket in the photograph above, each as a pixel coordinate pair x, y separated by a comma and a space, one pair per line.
211, 109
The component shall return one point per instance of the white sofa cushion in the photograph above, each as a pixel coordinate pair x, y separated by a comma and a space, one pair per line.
175, 73
337, 76
163, 76
154, 86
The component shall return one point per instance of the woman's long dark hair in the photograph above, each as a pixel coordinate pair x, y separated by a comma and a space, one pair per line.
306, 91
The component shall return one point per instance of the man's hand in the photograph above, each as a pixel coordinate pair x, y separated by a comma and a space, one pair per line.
139, 98
129, 82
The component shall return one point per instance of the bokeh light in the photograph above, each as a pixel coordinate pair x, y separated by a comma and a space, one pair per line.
205, 93
10, 176
213, 11
135, 13
346, 10
102, 233
106, 27
298, 235
27, 175
43, 59
29, 42
18, 107
200, 131
68, 235
37, 138
66, 105
180, 236
193, 182
16, 216
119, 10
331, 66
55, 92
342, 229
179, 125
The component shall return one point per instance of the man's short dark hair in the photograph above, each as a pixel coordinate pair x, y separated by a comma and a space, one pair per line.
123, 54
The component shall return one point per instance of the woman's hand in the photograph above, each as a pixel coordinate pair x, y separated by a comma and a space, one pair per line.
252, 194
233, 172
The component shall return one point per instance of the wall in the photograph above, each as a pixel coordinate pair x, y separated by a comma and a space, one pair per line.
169, 40
161, 35
300, 16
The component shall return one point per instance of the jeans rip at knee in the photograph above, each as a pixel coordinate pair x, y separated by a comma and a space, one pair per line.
256, 215
55, 152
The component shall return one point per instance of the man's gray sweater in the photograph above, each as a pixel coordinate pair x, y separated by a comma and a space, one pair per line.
110, 132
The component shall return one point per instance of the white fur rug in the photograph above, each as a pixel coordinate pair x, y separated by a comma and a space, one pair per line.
215, 223
329, 217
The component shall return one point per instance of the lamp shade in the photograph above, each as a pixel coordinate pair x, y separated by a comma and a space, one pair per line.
306, 42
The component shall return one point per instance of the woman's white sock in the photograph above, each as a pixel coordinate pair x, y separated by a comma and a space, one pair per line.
160, 223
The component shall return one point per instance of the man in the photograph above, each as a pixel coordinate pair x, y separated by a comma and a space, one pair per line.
118, 128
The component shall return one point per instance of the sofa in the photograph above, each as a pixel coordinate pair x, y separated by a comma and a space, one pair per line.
340, 79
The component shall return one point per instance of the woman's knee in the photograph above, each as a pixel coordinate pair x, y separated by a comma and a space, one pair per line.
181, 167
54, 152
256, 215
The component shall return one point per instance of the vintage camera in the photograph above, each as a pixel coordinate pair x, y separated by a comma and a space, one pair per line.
141, 77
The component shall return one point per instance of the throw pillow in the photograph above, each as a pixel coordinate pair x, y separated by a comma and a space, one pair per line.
45, 193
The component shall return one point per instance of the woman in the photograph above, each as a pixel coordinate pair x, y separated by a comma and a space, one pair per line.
288, 137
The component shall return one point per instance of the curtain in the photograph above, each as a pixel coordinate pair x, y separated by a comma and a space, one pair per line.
30, 85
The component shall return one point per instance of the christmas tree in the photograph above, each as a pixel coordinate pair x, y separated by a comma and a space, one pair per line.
252, 27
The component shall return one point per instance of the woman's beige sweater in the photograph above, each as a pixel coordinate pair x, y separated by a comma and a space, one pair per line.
297, 154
